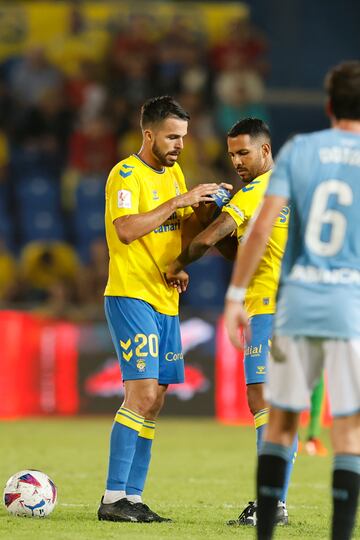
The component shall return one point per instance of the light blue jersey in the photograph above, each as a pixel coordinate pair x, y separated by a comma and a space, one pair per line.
319, 291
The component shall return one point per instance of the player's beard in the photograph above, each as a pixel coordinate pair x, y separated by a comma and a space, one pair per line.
248, 175
161, 157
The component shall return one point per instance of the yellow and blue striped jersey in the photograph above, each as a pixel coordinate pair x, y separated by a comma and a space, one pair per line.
261, 293
137, 270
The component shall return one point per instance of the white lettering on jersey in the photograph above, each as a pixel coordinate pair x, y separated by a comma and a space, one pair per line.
337, 154
338, 276
124, 198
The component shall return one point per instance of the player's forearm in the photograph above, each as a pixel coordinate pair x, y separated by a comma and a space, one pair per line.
134, 226
214, 233
205, 213
194, 251
228, 247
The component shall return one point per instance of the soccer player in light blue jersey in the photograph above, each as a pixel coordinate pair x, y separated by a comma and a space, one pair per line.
317, 323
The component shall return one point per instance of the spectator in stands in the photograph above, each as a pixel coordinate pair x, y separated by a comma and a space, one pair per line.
93, 278
50, 122
8, 274
93, 147
238, 93
44, 264
195, 74
60, 303
33, 76
173, 50
245, 41
201, 155
136, 39
7, 105
84, 82
135, 84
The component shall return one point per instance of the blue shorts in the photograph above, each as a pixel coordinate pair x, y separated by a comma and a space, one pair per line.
257, 351
147, 343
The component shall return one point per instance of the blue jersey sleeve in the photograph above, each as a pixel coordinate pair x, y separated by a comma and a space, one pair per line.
280, 178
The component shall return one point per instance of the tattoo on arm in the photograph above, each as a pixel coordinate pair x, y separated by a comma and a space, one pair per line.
215, 232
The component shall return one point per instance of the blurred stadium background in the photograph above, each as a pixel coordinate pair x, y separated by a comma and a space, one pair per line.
72, 78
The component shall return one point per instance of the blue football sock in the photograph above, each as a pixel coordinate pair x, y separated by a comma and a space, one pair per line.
272, 463
289, 468
141, 461
345, 485
123, 440
261, 418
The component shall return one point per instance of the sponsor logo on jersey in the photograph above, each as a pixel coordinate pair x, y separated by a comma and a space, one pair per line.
260, 370
173, 223
173, 357
337, 154
124, 198
236, 210
253, 350
336, 276
155, 195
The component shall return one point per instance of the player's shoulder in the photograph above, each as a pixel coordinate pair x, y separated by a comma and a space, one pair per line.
311, 139
127, 168
255, 188
176, 170
248, 197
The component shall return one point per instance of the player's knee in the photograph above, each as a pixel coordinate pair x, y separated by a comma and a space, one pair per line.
346, 435
142, 402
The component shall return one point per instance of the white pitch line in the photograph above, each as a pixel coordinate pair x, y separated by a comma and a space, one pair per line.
77, 505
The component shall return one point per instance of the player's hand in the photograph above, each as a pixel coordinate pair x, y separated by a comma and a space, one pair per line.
224, 185
178, 280
196, 195
235, 319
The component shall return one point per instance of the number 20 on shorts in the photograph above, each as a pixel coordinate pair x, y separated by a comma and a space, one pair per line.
150, 342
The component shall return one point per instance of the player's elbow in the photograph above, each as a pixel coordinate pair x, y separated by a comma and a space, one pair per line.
125, 237
123, 232
202, 246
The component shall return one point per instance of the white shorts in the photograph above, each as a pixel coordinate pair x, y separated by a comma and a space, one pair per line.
296, 365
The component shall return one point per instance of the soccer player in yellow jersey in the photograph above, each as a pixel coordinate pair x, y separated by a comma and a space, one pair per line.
147, 217
249, 147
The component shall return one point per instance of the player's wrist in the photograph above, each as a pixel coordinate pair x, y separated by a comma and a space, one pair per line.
177, 202
235, 294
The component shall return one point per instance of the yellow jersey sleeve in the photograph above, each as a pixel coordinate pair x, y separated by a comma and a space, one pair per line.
123, 191
246, 201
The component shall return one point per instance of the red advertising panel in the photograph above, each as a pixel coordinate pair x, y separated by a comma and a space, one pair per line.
38, 366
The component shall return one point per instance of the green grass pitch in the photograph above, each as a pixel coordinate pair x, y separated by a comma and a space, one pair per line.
202, 474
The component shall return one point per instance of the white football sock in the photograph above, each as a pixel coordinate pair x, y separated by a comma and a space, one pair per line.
113, 496
134, 498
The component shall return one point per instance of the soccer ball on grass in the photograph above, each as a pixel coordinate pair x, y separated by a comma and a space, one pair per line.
30, 493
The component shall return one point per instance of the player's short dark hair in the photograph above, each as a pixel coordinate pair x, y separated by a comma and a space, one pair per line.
343, 87
250, 126
159, 108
